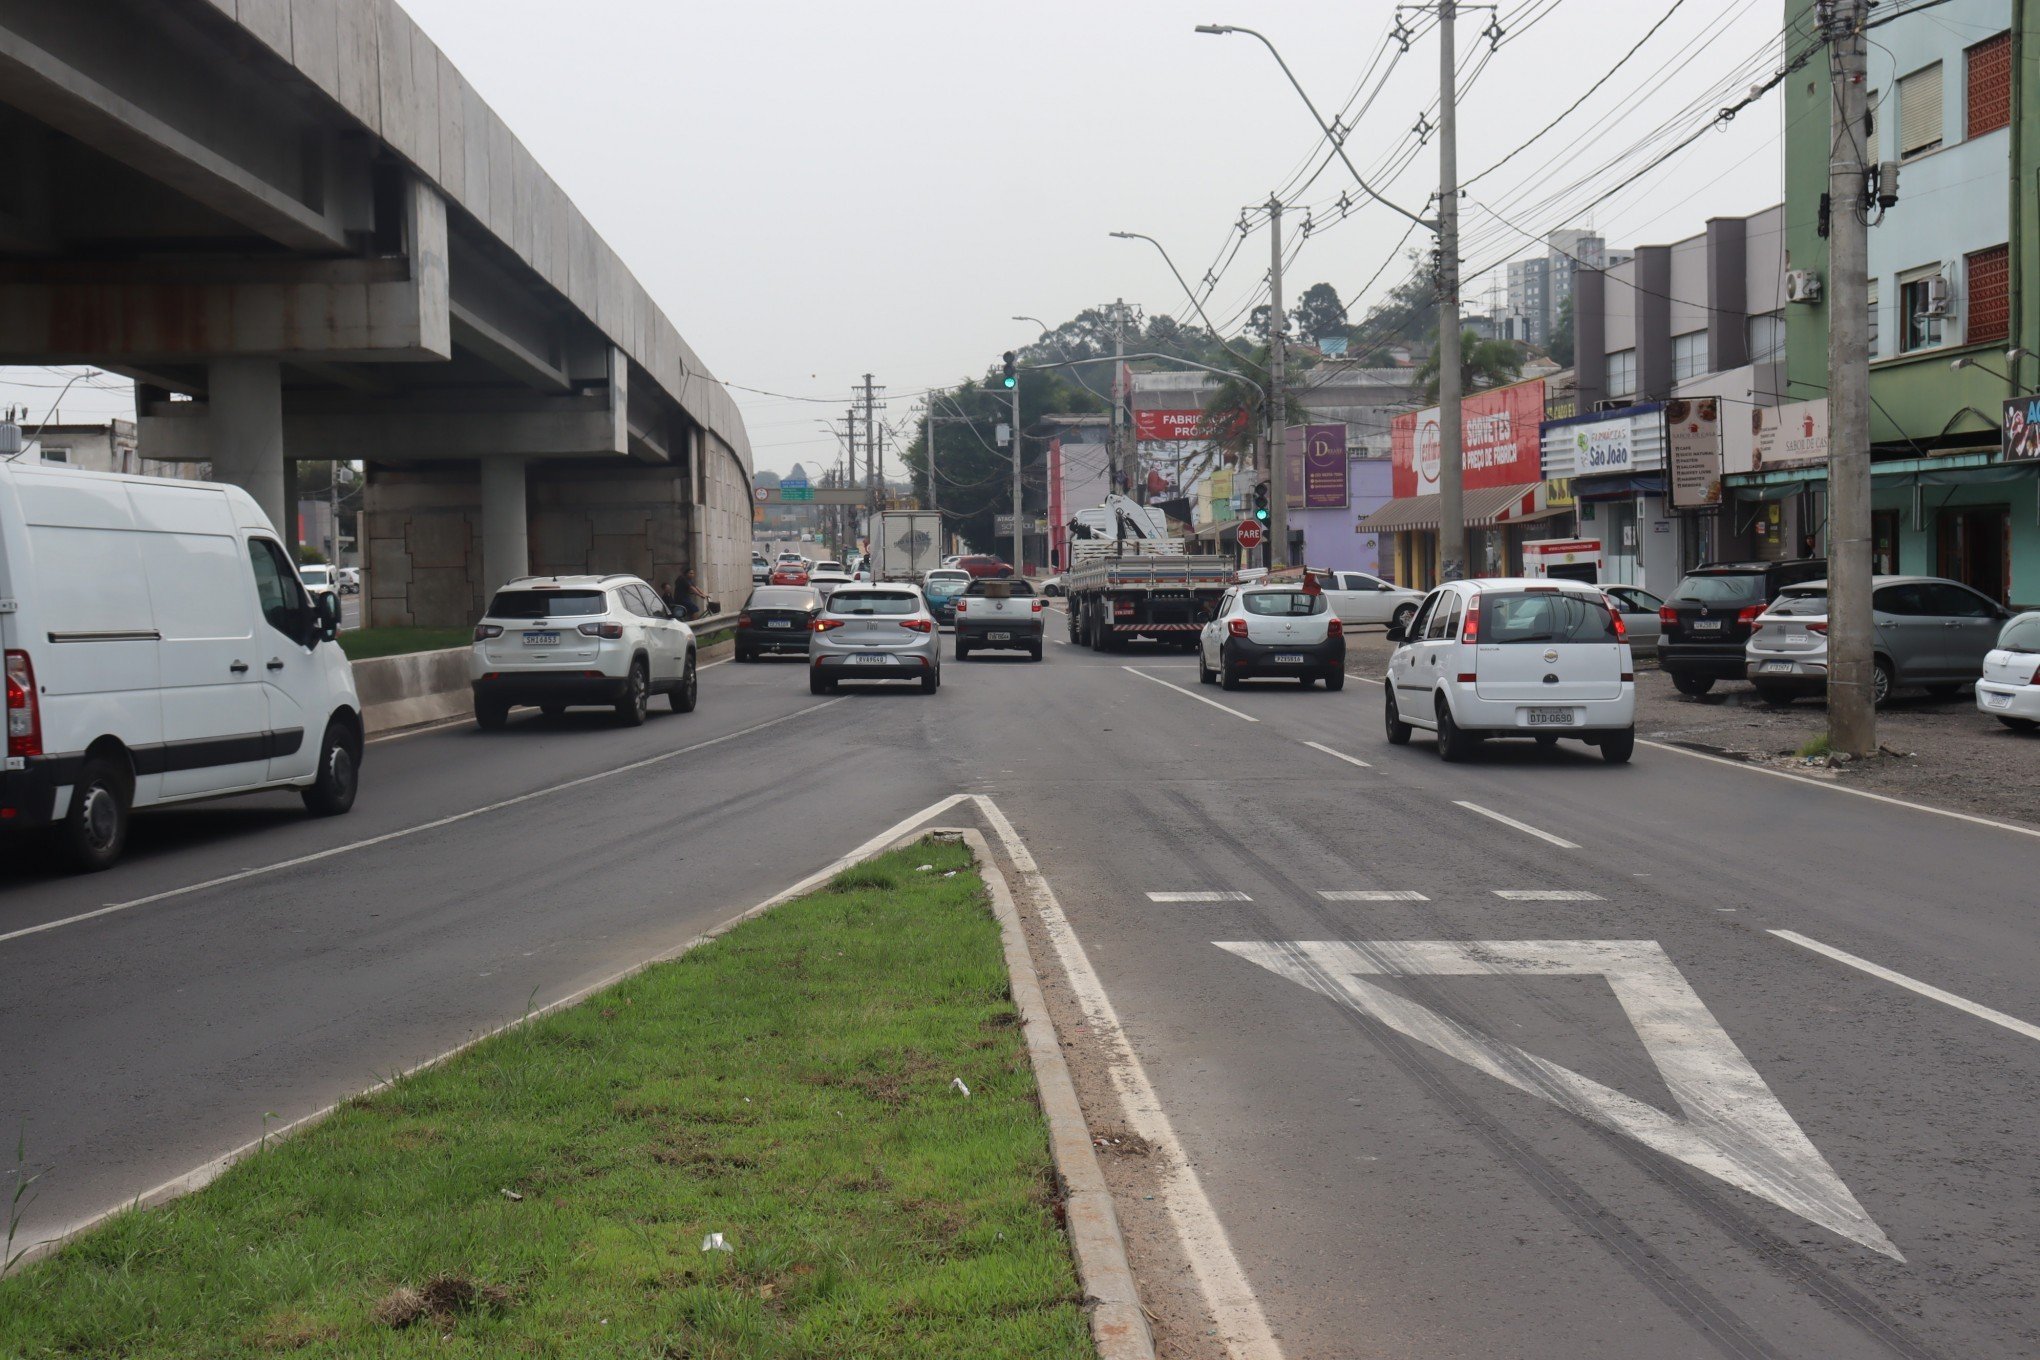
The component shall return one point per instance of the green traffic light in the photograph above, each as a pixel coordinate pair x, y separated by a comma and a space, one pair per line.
1012, 382
1261, 515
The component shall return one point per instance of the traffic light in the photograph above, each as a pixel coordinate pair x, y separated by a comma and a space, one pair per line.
1261, 502
1012, 371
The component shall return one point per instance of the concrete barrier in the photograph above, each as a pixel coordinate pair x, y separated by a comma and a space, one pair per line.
424, 687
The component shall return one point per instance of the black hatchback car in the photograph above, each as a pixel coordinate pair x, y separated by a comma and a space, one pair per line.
1704, 625
776, 620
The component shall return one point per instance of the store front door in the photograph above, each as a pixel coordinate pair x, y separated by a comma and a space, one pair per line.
1975, 545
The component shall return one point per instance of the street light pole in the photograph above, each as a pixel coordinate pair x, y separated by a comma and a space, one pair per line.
1277, 554
1019, 568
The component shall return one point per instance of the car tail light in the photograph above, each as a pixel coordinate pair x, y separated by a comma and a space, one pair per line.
1749, 614
602, 630
744, 621
1668, 618
917, 625
1237, 627
1820, 627
1615, 617
485, 631
824, 625
960, 602
1333, 628
24, 716
1471, 632
1037, 606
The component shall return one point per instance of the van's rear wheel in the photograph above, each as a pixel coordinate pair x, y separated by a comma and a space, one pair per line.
332, 793
95, 830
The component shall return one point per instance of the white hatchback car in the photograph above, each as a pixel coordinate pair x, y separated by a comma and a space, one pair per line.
1514, 657
2009, 689
1279, 630
562, 641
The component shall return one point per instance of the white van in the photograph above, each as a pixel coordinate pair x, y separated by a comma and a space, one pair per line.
159, 648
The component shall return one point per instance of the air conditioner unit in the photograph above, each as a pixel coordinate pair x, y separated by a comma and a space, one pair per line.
1940, 299
1802, 285
1612, 404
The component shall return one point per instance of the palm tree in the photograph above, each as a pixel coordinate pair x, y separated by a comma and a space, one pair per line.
1482, 363
1236, 411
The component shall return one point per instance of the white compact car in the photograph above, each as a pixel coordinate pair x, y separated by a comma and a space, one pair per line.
159, 648
1514, 658
563, 641
1280, 630
2009, 689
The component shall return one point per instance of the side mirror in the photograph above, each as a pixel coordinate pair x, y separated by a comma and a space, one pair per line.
329, 616
1395, 632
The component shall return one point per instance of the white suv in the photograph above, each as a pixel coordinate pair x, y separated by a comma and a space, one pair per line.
560, 641
1514, 658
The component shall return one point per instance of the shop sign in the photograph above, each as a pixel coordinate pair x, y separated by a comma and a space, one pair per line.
1558, 493
2022, 430
1499, 441
1181, 425
1603, 446
1317, 467
1693, 451
1793, 435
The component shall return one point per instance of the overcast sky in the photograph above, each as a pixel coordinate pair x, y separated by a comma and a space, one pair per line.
818, 190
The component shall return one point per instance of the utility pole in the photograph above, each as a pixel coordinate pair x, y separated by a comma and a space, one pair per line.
1277, 554
1852, 711
1451, 494
871, 440
1115, 450
850, 426
1019, 529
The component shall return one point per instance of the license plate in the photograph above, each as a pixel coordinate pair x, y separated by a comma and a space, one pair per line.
998, 637
1998, 700
1289, 658
541, 639
779, 623
1550, 717
1707, 625
871, 661
1775, 668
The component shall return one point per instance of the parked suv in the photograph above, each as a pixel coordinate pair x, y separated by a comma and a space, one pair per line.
565, 641
1927, 631
1513, 658
1705, 625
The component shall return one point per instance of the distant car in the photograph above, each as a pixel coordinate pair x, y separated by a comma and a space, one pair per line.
1704, 626
350, 580
999, 614
788, 574
1513, 657
776, 620
825, 582
941, 587
2010, 687
788, 556
1050, 586
1639, 609
826, 565
875, 632
761, 572
952, 559
1360, 598
983, 564
1928, 632
563, 641
1264, 631
319, 580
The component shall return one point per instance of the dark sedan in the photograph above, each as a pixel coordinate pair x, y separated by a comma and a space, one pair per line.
776, 621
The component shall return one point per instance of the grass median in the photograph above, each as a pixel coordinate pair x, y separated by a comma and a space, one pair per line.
791, 1086
362, 644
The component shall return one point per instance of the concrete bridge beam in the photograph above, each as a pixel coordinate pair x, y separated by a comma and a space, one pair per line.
506, 535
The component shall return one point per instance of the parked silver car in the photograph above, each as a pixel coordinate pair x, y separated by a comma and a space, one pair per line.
1639, 610
1930, 632
875, 632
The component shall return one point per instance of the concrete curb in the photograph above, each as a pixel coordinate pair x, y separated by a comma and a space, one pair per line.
1119, 1324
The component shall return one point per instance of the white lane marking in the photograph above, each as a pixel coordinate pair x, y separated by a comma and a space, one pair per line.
1733, 1127
1748, 768
1230, 1298
1365, 679
1192, 694
1338, 755
1547, 895
199, 1177
2012, 1023
400, 834
1523, 827
1373, 895
420, 730
1198, 897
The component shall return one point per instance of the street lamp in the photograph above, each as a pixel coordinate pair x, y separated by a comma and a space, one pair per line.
1963, 361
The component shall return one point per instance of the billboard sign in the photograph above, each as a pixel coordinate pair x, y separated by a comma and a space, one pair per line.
1603, 446
2022, 430
1500, 432
1693, 452
1179, 425
1793, 435
1324, 467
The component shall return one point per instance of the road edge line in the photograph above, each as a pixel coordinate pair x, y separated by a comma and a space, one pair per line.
1912, 984
1119, 1324
1243, 1327
206, 1173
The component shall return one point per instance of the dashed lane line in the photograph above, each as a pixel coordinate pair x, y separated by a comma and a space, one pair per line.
1547, 895
1338, 755
1523, 827
1191, 694
1372, 895
2012, 1023
1199, 896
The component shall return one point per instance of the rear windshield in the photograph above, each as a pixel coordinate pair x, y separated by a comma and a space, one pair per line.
314, 576
1283, 604
1535, 616
1000, 588
547, 604
2021, 634
783, 597
1741, 587
1798, 603
864, 602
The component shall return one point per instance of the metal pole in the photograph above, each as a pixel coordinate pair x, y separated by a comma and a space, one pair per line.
1278, 414
1019, 568
850, 424
1852, 711
1115, 456
871, 440
1451, 496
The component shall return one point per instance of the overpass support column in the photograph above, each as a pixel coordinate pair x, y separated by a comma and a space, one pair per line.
506, 544
244, 432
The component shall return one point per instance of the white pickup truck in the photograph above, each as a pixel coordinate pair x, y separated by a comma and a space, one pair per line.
999, 614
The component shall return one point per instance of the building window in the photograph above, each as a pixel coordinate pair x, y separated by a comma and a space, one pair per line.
1987, 290
1919, 111
50, 455
1767, 337
1622, 373
1990, 84
1874, 315
1922, 304
1689, 355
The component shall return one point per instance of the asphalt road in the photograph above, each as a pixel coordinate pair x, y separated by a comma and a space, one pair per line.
1549, 1088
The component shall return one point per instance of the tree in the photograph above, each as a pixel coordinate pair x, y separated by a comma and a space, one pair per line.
1408, 317
1236, 411
974, 474
1319, 314
1258, 322
1561, 348
1482, 363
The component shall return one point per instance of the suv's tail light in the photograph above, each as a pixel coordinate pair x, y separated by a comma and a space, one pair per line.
1471, 632
824, 625
602, 630
1668, 619
24, 715
485, 631
1333, 628
1237, 627
1819, 627
918, 625
1037, 604
1749, 614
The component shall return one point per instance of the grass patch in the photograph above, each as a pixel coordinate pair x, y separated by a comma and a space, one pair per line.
547, 1193
362, 643
723, 634
1814, 746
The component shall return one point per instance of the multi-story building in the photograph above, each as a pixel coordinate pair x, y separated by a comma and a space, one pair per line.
1954, 312
1529, 304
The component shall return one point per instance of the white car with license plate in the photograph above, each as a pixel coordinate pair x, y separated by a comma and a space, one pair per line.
2009, 689
566, 641
1513, 658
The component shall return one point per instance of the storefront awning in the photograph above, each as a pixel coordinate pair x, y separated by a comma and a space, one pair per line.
1620, 487
1951, 469
1485, 507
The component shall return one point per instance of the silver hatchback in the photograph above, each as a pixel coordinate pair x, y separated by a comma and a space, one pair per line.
1929, 632
875, 632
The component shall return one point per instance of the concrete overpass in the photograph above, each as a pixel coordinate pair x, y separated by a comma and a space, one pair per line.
304, 236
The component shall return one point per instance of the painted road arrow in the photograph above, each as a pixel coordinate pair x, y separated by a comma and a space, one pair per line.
1733, 1128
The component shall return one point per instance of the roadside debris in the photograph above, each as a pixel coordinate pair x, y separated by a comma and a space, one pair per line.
507, 1193
957, 1082
714, 1242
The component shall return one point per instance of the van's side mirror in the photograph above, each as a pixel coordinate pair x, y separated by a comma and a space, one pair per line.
329, 616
